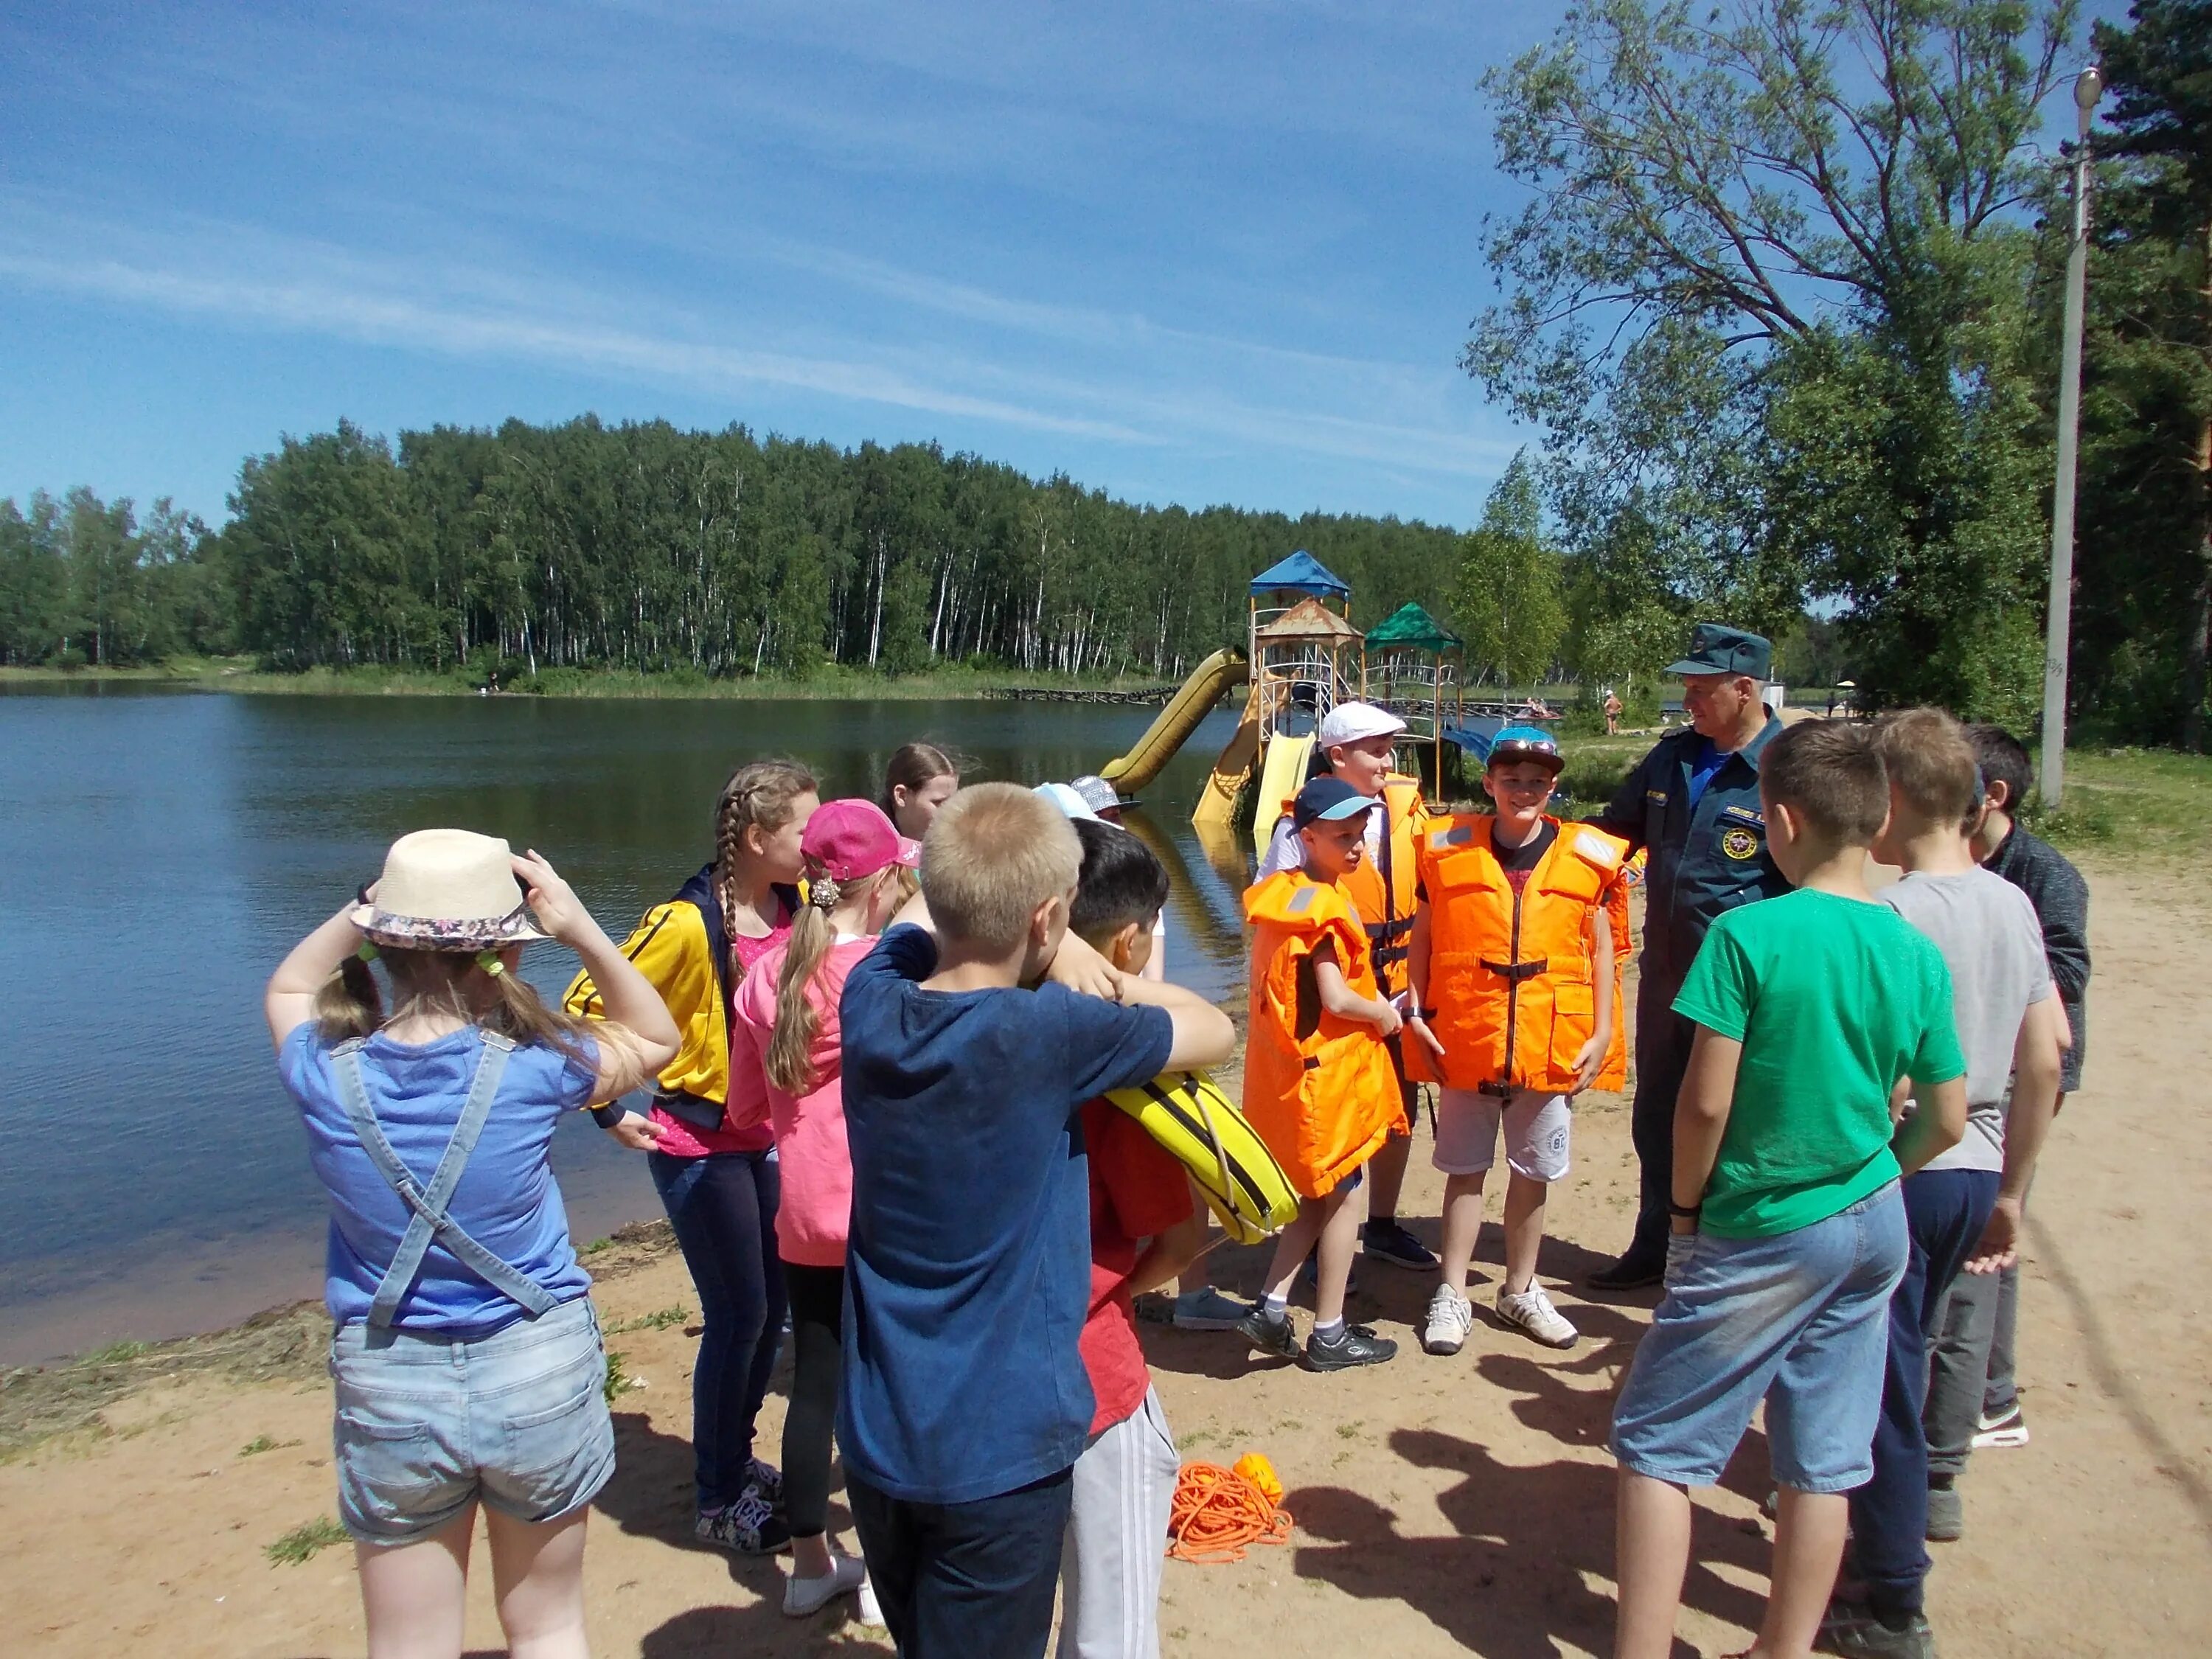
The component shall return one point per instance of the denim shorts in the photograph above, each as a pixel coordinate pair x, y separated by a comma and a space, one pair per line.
427, 1425
1801, 1321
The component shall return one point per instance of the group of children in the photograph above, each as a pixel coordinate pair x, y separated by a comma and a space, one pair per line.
881, 1071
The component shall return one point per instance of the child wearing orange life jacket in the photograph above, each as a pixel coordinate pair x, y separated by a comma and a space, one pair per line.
1319, 1085
1516, 989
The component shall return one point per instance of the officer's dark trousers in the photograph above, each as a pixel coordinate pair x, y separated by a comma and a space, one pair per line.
1662, 1055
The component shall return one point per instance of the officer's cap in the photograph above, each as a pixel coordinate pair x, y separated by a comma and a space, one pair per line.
1715, 649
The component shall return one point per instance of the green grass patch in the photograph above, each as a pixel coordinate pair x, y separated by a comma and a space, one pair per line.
305, 1542
660, 1320
619, 1381
2132, 804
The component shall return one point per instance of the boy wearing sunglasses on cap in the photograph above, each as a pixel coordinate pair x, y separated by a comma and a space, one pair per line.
1515, 983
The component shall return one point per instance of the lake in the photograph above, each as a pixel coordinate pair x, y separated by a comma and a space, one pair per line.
159, 852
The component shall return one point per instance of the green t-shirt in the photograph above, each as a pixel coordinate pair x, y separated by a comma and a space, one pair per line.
1833, 1001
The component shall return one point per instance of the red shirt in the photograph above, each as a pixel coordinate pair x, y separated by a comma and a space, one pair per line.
1137, 1191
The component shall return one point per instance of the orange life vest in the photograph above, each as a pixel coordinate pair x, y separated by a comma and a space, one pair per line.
1511, 974
1319, 1090
1381, 888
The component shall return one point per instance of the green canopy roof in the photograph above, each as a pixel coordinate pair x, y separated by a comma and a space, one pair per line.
1409, 627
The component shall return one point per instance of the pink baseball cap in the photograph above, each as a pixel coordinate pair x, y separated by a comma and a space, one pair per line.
849, 840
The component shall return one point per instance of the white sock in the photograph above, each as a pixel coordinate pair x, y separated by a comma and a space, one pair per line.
1277, 1306
1331, 1331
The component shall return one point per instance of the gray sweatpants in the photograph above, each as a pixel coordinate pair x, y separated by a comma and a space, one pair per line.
1117, 1539
1958, 1369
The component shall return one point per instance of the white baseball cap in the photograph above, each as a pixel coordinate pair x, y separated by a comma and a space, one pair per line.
1355, 722
1065, 798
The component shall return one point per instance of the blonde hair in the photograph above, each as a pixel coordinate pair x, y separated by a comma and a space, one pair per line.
1931, 763
453, 984
789, 1061
759, 792
994, 854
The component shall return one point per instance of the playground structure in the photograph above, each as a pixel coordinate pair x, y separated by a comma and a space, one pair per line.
1303, 656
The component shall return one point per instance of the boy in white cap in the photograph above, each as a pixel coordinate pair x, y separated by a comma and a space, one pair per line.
1359, 740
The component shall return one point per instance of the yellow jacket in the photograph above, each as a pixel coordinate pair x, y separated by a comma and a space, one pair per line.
684, 949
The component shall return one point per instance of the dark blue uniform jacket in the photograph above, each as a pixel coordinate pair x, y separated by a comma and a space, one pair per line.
1702, 860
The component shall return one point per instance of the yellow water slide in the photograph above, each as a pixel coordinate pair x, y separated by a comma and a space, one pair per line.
1208, 683
1282, 774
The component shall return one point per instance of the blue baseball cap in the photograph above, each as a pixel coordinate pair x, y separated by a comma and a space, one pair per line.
1517, 744
1327, 800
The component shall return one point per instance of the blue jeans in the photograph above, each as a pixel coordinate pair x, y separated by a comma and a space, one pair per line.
427, 1425
1795, 1320
966, 1580
1946, 1210
723, 1209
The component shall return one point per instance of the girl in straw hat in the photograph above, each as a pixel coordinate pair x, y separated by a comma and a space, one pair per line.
467, 1357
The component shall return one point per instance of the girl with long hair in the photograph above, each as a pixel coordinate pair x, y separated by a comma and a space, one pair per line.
720, 1181
785, 1039
466, 1357
920, 779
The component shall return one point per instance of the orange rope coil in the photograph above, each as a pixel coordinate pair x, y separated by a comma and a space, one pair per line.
1217, 1512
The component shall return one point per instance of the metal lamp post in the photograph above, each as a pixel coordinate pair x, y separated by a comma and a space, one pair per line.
2088, 88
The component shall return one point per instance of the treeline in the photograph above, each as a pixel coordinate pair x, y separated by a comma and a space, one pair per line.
644, 548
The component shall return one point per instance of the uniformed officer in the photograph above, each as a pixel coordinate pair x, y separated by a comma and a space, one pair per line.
1693, 803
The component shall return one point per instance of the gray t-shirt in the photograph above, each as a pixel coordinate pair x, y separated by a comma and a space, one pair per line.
1993, 945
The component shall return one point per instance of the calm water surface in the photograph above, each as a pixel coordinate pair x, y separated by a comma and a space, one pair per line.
160, 852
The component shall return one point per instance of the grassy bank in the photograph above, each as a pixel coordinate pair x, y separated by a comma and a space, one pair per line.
243, 674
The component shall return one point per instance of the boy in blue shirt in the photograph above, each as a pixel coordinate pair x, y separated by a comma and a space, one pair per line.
964, 1402
1787, 1231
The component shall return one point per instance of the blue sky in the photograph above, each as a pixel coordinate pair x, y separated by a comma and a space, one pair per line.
1191, 253
1198, 252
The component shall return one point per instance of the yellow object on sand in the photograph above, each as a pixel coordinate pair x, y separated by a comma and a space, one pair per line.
1261, 1472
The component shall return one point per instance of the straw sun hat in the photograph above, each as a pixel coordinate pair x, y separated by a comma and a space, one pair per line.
447, 890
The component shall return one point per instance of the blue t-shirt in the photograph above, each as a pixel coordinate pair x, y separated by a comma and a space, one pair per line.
1706, 766
967, 1269
507, 1200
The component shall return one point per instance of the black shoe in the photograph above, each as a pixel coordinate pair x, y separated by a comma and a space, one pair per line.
1631, 1271
1356, 1345
1269, 1333
1853, 1628
1388, 1241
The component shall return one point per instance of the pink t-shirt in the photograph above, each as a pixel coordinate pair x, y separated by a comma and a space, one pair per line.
815, 1207
682, 1140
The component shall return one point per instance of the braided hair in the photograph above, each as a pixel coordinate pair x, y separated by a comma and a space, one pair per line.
758, 792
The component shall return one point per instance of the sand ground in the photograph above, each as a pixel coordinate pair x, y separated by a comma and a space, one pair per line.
1442, 1504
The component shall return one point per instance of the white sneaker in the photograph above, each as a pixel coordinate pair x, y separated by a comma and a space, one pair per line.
1448, 1321
1208, 1309
802, 1596
870, 1611
1532, 1310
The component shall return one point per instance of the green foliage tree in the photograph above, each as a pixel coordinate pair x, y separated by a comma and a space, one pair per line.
2145, 516
1507, 600
1738, 234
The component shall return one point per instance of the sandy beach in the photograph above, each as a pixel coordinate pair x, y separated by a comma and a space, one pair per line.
1442, 1505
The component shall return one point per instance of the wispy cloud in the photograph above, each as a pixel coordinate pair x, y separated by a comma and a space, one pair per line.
1178, 395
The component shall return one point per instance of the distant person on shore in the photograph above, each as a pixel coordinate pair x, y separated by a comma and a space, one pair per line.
1319, 1085
720, 1184
786, 1065
2060, 899
1787, 1227
1515, 983
920, 779
467, 1359
1692, 805
1146, 1226
1355, 742
964, 1402
1612, 710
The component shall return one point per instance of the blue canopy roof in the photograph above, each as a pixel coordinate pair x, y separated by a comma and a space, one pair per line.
1301, 572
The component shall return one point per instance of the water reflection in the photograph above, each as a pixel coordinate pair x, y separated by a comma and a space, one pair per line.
159, 852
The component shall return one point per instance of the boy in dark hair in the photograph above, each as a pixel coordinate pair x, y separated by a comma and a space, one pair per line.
2060, 899
1787, 1227
1145, 1227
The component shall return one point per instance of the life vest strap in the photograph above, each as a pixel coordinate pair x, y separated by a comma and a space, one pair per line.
1497, 1091
1518, 971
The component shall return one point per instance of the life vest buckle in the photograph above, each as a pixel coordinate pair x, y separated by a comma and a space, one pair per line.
1518, 972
